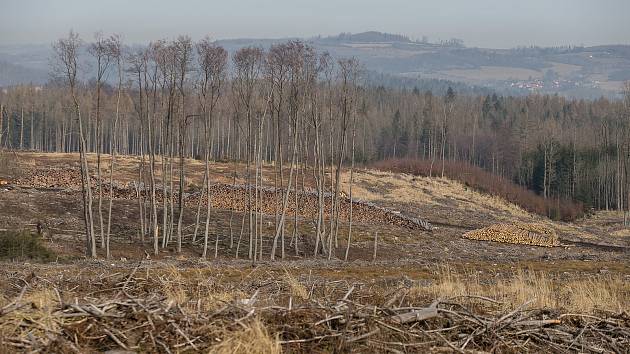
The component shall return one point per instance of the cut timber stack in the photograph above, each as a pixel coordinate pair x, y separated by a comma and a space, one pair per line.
225, 196
519, 233
57, 178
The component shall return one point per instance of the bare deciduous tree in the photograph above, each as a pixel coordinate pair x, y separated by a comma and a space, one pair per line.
213, 64
67, 53
101, 52
114, 48
247, 64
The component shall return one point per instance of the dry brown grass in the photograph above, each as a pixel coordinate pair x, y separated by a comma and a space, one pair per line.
609, 222
538, 289
39, 311
577, 295
377, 186
612, 294
296, 288
448, 195
42, 298
210, 311
211, 295
523, 287
254, 338
173, 286
621, 233
449, 283
215, 300
127, 167
489, 183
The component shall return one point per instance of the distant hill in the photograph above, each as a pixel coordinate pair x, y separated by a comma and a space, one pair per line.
13, 74
368, 37
583, 72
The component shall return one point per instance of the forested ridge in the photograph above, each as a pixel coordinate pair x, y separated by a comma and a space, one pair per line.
291, 105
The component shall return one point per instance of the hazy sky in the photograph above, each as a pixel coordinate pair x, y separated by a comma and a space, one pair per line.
485, 23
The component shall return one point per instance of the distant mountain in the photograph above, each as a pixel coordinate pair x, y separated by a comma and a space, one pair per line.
14, 74
584, 72
24, 64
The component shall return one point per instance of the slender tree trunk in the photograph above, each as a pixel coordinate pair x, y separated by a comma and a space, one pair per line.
87, 187
30, 137
22, 129
98, 162
286, 195
199, 202
181, 188
375, 246
1, 125
354, 129
207, 134
232, 211
113, 143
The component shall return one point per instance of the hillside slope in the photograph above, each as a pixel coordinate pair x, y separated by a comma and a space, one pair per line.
456, 207
449, 205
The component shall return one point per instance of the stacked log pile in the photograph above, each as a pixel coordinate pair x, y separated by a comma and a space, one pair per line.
229, 197
56, 178
234, 197
518, 233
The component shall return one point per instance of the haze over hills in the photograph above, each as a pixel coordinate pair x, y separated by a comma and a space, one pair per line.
397, 60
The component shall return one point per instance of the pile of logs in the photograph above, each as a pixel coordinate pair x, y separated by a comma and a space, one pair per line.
518, 233
53, 178
230, 197
234, 197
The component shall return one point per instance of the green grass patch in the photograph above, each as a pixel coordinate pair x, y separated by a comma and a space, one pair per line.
21, 245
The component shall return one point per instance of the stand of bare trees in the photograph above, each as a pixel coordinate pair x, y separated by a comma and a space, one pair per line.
306, 116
